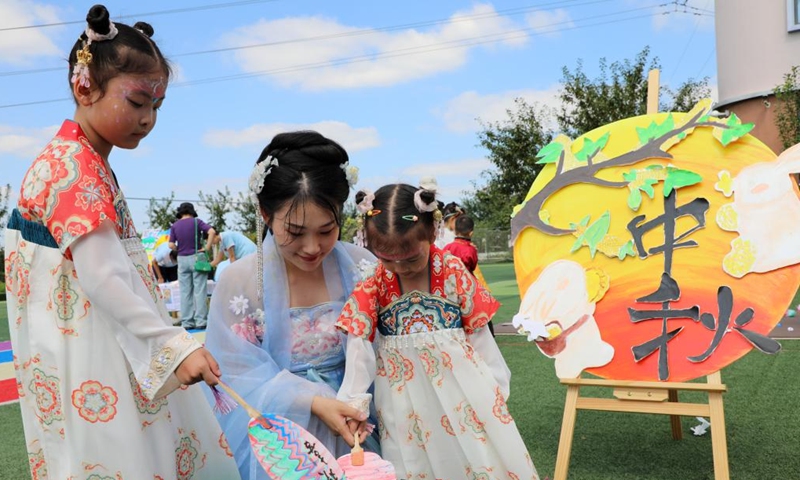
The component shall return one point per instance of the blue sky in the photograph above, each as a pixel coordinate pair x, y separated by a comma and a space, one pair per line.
399, 84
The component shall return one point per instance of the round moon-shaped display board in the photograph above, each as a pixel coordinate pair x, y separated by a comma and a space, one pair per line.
661, 247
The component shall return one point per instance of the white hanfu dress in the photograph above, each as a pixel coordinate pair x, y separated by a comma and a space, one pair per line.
440, 381
94, 348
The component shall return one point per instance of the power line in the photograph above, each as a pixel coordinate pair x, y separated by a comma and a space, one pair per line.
465, 42
686, 48
703, 68
352, 33
148, 14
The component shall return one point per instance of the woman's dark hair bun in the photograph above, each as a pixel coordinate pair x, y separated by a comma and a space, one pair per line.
98, 19
427, 196
360, 196
145, 28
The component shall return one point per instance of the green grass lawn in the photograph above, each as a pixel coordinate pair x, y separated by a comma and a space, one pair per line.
761, 412
503, 283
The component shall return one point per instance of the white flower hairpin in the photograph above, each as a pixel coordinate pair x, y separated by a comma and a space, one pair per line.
259, 174
351, 173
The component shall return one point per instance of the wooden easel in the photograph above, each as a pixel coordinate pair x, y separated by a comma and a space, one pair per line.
648, 397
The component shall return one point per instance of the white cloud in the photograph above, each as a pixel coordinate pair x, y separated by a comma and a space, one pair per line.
19, 46
24, 142
454, 177
352, 139
461, 114
549, 22
380, 58
471, 167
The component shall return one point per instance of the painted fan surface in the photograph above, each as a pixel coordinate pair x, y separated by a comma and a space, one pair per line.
287, 451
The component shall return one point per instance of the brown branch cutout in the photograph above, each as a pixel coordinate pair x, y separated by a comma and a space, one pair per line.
528, 216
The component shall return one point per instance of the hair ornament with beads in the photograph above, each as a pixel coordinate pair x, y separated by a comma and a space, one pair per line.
80, 73
259, 174
365, 204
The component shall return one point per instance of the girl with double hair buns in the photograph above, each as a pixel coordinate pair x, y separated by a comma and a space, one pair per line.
450, 213
273, 314
102, 373
416, 327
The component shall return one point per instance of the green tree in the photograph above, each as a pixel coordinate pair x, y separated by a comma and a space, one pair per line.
218, 205
160, 213
620, 91
512, 145
787, 110
246, 215
349, 223
687, 95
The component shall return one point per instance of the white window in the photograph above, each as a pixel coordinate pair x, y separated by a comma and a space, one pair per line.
793, 15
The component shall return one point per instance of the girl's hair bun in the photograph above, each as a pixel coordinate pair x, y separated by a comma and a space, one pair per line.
98, 19
427, 196
145, 28
360, 196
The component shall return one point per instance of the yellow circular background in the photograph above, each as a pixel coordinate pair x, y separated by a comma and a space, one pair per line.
698, 270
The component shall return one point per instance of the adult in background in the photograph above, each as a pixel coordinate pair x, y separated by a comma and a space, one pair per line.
232, 247
165, 264
185, 238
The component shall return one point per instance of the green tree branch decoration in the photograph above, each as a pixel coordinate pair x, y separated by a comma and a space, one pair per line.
655, 140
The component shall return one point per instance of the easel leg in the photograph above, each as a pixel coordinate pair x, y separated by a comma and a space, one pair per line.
567, 432
675, 420
719, 442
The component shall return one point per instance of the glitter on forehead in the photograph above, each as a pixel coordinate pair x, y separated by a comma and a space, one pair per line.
156, 89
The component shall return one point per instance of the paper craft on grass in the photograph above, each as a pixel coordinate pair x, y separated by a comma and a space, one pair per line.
634, 262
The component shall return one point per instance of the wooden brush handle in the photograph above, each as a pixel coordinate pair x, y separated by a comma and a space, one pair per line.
250, 410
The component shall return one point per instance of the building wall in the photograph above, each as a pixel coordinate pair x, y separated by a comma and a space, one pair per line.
761, 112
754, 52
754, 48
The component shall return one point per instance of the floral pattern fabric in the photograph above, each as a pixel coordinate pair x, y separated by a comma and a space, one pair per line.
449, 281
86, 392
315, 338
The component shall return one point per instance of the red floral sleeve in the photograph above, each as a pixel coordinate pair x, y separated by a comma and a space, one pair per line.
68, 190
360, 313
478, 306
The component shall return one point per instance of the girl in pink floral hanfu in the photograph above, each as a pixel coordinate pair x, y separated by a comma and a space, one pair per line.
101, 372
440, 381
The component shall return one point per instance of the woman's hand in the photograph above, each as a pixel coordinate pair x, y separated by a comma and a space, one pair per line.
199, 365
363, 428
335, 415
